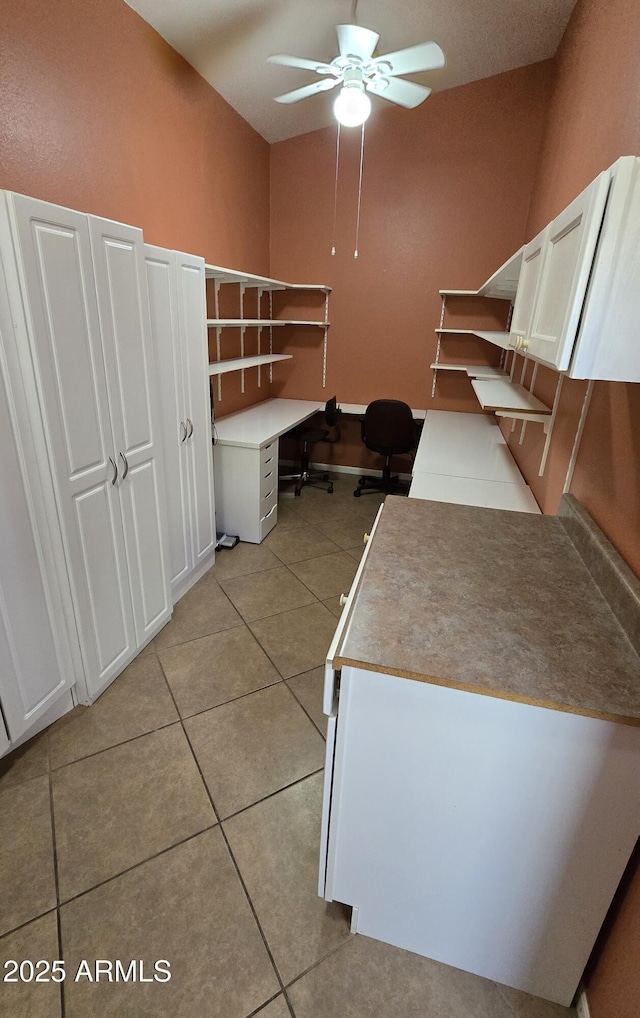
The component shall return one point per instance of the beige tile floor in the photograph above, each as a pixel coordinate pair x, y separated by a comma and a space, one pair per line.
178, 817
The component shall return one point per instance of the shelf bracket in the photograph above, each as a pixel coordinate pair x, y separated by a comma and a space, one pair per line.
576, 442
549, 430
544, 419
260, 327
325, 343
437, 361
271, 333
216, 308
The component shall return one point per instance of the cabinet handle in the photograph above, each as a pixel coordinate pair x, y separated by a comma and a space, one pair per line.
343, 600
115, 469
184, 427
365, 537
126, 466
191, 427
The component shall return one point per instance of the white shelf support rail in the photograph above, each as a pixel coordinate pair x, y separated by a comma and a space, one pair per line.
522, 378
260, 290
549, 429
216, 308
325, 342
534, 375
242, 332
577, 440
270, 333
437, 361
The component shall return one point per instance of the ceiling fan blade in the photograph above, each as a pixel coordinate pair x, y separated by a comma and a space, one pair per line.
426, 56
308, 65
405, 93
355, 41
302, 93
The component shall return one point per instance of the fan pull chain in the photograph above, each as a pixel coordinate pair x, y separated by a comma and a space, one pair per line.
355, 253
335, 192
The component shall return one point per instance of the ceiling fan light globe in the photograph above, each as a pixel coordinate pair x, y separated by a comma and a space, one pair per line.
352, 107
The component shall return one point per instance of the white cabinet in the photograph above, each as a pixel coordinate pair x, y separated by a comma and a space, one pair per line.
36, 664
80, 309
527, 289
568, 252
178, 319
578, 297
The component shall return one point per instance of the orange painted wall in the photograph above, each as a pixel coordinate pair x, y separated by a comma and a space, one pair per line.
445, 198
98, 113
594, 117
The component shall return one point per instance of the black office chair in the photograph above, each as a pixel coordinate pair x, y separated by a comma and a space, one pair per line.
388, 428
308, 437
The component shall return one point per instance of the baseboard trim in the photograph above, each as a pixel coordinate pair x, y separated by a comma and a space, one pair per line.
334, 468
582, 1004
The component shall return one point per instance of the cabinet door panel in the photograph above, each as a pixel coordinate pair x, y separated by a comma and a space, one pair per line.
33, 672
56, 265
527, 288
141, 497
193, 317
98, 524
569, 251
118, 254
163, 304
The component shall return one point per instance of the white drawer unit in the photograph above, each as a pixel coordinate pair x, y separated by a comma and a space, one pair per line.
245, 465
246, 484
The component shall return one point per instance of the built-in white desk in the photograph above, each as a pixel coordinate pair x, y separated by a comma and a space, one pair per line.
465, 459
245, 465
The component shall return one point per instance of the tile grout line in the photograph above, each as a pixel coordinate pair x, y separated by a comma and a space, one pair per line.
228, 846
286, 681
270, 795
137, 865
56, 879
27, 922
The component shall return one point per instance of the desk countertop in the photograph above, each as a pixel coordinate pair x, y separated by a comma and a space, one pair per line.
498, 603
264, 422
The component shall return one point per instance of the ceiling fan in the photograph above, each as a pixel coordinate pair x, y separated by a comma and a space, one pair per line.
358, 71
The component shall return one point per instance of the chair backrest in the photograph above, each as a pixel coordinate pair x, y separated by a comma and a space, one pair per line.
332, 414
388, 427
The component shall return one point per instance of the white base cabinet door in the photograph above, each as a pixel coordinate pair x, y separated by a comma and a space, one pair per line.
176, 285
504, 832
85, 353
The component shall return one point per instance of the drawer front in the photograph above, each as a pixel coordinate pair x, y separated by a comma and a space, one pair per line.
269, 455
268, 477
268, 501
268, 522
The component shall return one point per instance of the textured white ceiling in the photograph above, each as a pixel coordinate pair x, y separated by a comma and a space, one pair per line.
228, 42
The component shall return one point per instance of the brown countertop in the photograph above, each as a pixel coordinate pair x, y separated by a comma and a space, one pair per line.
498, 603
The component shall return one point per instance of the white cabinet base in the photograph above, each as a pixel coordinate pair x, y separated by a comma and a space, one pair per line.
486, 834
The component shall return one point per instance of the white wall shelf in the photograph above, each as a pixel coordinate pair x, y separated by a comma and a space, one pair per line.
223, 275
472, 370
241, 363
263, 285
506, 396
239, 323
500, 339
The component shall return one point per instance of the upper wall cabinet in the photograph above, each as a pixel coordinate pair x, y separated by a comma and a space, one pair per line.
577, 303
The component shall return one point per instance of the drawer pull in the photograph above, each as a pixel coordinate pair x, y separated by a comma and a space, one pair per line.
267, 462
343, 600
272, 510
268, 495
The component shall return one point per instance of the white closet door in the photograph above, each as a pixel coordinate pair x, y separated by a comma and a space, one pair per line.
569, 251
34, 673
53, 249
163, 304
527, 288
118, 255
193, 322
